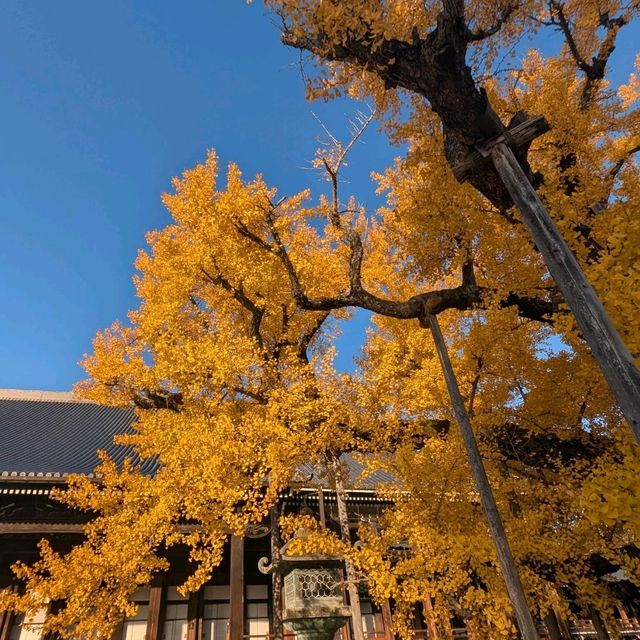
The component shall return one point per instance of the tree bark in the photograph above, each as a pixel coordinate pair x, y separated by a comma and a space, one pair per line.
510, 574
613, 357
352, 586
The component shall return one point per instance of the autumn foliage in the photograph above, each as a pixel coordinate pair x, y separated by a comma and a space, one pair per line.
229, 357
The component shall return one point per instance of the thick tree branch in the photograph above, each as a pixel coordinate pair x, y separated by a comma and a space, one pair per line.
257, 312
502, 17
149, 399
254, 395
308, 336
594, 70
433, 66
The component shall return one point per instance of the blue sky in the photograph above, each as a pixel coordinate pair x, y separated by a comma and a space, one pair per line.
102, 103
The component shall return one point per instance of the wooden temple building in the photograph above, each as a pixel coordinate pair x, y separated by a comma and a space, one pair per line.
44, 436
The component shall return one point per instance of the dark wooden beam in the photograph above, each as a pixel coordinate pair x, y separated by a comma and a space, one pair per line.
117, 632
7, 618
195, 615
35, 527
607, 347
387, 619
6, 621
321, 509
156, 611
277, 626
519, 136
236, 596
508, 565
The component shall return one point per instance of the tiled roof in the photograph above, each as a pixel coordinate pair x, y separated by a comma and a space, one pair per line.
53, 436
46, 435
356, 480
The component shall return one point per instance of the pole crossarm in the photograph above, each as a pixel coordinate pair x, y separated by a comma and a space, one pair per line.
518, 136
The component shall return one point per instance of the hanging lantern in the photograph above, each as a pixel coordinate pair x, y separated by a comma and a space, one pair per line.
313, 594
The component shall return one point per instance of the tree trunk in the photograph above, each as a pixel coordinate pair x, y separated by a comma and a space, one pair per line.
613, 357
352, 585
505, 557
277, 627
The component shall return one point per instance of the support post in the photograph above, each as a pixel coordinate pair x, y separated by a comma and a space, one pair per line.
277, 626
509, 570
321, 508
195, 615
236, 595
6, 621
387, 619
611, 354
154, 620
598, 624
553, 626
430, 618
117, 631
7, 618
352, 586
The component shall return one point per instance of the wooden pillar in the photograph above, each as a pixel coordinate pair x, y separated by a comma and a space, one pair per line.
6, 621
553, 626
277, 626
321, 509
387, 620
117, 632
352, 586
7, 618
195, 609
445, 623
598, 624
236, 595
155, 620
430, 618
508, 566
624, 618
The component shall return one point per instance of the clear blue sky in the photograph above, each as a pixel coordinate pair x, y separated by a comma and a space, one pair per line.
102, 103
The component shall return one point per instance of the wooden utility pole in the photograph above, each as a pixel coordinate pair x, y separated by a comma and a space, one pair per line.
510, 574
611, 354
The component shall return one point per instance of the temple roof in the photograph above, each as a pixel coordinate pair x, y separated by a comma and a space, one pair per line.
47, 435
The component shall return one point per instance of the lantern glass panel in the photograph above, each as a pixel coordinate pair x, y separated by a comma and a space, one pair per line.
310, 586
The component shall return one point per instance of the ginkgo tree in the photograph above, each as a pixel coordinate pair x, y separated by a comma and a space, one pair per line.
228, 358
422, 48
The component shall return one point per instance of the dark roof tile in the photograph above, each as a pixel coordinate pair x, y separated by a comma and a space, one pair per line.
57, 437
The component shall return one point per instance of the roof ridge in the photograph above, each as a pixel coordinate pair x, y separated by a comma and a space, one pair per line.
47, 396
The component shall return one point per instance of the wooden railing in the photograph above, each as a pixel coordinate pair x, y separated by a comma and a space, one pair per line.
580, 630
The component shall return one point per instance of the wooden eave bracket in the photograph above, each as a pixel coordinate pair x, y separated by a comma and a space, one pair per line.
514, 138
